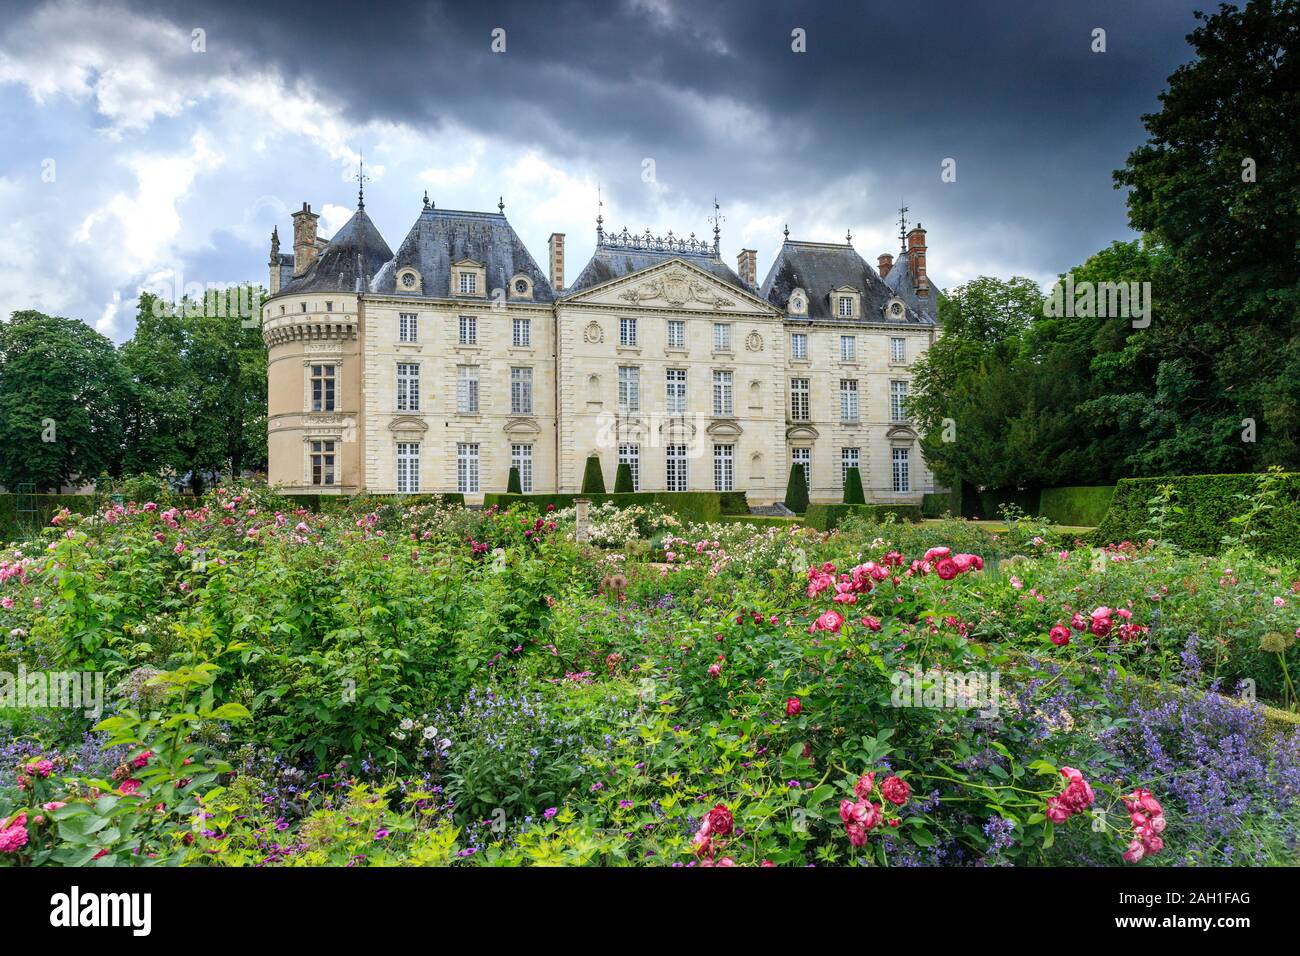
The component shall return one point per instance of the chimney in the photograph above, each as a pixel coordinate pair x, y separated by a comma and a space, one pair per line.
304, 239
886, 261
916, 260
274, 284
557, 261
747, 266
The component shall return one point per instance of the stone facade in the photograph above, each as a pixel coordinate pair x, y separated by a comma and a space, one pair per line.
436, 368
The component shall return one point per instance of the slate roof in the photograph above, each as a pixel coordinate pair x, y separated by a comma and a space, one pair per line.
899, 281
357, 251
614, 262
441, 237
821, 267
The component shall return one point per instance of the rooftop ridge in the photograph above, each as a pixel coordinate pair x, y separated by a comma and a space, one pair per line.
648, 242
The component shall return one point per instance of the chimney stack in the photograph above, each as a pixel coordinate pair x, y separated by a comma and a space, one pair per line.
304, 239
886, 261
747, 266
557, 261
916, 260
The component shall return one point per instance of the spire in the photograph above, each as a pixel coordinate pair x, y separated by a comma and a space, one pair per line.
600, 217
717, 219
902, 226
362, 179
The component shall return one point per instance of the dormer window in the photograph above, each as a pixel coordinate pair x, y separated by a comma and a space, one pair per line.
468, 277
408, 280
521, 287
846, 307
468, 283
798, 302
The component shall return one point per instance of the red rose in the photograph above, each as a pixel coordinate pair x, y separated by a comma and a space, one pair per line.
720, 821
947, 569
895, 790
793, 706
1059, 635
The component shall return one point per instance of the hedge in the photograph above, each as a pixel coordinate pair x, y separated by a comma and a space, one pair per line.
12, 524
1209, 502
853, 487
783, 521
332, 503
593, 479
937, 504
987, 504
1084, 505
825, 517
796, 490
693, 505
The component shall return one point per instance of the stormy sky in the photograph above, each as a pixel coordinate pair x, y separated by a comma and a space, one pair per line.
138, 152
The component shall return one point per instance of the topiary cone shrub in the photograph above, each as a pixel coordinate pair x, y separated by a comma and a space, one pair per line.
623, 479
853, 488
593, 479
513, 485
796, 490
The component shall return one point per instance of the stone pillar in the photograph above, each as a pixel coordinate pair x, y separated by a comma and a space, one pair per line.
582, 506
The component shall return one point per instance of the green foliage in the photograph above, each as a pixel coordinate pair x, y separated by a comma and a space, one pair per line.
825, 517
1080, 506
14, 524
796, 490
593, 479
693, 505
623, 479
513, 485
853, 487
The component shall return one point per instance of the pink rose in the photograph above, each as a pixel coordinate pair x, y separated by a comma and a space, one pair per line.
1059, 635
895, 790
792, 707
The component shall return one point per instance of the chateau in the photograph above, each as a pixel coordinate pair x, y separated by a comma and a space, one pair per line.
437, 367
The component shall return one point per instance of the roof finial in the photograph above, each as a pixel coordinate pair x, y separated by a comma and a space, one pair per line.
902, 225
426, 199
786, 232
501, 205
600, 216
717, 219
848, 236
362, 179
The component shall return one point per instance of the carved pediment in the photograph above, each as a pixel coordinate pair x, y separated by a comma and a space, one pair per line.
901, 433
676, 431
727, 428
677, 288
523, 426
802, 433
408, 424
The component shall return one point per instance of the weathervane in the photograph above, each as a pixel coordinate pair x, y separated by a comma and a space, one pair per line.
362, 179
717, 219
902, 226
600, 215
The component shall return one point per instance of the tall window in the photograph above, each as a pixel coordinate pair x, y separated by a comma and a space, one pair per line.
799, 346
675, 457
898, 351
803, 458
408, 467
675, 387
897, 401
468, 283
467, 389
722, 397
467, 468
902, 471
521, 457
521, 333
407, 330
724, 468
676, 334
468, 330
629, 388
408, 387
721, 337
848, 399
322, 463
846, 306
521, 391
322, 388
800, 402
848, 348
849, 458
627, 331
630, 455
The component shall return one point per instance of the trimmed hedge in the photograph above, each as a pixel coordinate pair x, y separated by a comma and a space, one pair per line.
513, 485
693, 505
796, 490
12, 524
1084, 505
316, 502
778, 520
1208, 503
936, 504
623, 479
987, 504
826, 517
593, 479
853, 487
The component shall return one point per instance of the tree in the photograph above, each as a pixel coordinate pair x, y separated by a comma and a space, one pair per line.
593, 479
513, 485
796, 490
61, 393
853, 487
623, 478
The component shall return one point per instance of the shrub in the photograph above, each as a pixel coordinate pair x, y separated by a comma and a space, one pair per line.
827, 517
14, 523
1082, 505
593, 479
623, 479
796, 490
691, 505
513, 485
936, 504
853, 487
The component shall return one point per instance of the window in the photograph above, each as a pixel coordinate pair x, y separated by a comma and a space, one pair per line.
627, 332
630, 455
803, 458
897, 401
848, 399
322, 388
329, 306
408, 387
521, 457
629, 388
676, 391
676, 334
721, 337
902, 471
322, 463
898, 351
848, 348
724, 468
799, 400
467, 468
522, 333
408, 467
848, 459
675, 457
468, 330
467, 389
468, 283
846, 307
722, 403
799, 346
406, 327
521, 391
